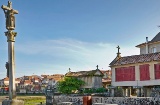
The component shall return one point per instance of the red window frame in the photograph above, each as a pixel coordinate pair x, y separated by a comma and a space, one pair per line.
144, 72
157, 71
125, 73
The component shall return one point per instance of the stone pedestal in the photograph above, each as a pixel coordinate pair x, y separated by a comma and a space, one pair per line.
13, 102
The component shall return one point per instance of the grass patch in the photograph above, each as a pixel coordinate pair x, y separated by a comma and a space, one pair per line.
32, 100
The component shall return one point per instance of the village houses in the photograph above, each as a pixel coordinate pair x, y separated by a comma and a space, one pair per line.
31, 84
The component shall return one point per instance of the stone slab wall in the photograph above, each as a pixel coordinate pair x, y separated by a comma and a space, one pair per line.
75, 99
111, 100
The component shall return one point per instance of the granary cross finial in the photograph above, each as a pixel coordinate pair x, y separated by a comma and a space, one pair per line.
118, 54
97, 67
118, 48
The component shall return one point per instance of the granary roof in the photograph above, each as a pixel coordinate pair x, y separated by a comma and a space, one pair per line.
83, 73
136, 59
154, 40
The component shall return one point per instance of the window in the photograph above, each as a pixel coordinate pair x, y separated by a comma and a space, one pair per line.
125, 73
157, 71
153, 50
144, 72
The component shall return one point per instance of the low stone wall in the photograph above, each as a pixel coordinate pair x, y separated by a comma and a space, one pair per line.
75, 99
127, 100
111, 100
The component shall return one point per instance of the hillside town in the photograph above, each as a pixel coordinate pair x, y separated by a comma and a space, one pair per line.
38, 84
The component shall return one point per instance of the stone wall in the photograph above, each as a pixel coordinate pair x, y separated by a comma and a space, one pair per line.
127, 100
111, 100
75, 99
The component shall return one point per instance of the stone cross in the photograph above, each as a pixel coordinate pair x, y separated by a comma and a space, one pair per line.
118, 54
10, 65
118, 48
9, 15
97, 67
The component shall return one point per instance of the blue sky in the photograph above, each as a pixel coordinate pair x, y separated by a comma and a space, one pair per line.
55, 35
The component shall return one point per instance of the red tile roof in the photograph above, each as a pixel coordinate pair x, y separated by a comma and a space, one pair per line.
6, 79
136, 59
27, 82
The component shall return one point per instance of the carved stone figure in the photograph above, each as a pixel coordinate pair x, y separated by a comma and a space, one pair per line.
9, 15
7, 67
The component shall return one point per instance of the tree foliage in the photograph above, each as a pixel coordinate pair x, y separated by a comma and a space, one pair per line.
94, 90
69, 84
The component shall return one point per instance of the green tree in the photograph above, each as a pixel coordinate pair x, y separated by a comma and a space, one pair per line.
69, 84
100, 90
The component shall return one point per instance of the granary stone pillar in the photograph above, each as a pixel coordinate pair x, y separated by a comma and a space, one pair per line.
142, 92
145, 91
124, 92
112, 92
128, 92
138, 92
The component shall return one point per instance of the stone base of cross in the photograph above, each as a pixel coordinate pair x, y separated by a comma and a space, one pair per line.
13, 102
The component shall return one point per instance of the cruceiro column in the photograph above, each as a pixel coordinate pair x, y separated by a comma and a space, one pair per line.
10, 65
10, 26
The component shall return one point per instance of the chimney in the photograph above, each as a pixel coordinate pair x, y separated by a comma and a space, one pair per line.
146, 45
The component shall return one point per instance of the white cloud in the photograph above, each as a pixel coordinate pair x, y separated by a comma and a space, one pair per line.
80, 55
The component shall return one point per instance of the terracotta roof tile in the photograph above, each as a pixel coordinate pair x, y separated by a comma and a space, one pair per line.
136, 59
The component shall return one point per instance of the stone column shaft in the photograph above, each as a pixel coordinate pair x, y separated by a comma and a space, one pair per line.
11, 60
